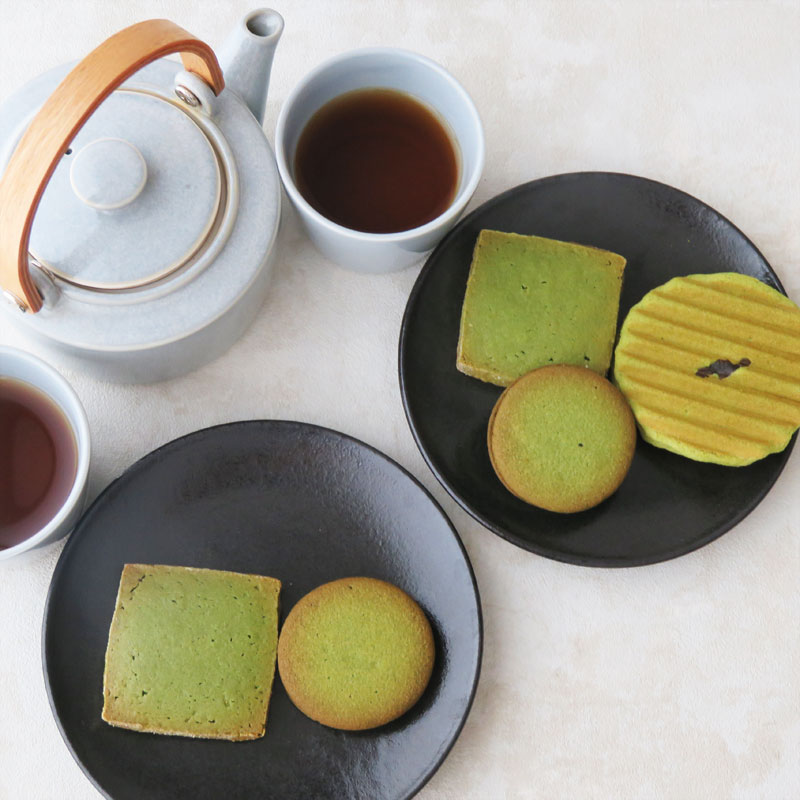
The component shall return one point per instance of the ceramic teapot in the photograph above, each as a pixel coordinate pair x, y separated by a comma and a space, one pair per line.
140, 202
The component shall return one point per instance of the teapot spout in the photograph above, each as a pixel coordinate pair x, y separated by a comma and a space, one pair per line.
246, 57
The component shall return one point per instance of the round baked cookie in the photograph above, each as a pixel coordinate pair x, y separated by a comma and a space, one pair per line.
710, 365
355, 653
561, 438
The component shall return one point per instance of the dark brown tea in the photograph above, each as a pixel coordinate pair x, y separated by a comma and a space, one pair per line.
38, 460
376, 160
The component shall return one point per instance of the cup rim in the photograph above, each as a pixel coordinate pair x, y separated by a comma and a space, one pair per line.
459, 201
83, 444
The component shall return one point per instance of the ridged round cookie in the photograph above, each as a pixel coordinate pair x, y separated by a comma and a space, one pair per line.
355, 653
711, 367
561, 438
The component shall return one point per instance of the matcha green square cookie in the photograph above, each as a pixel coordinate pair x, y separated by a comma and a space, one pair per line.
191, 652
532, 302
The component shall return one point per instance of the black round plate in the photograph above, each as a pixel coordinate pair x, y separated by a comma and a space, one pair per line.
667, 505
299, 503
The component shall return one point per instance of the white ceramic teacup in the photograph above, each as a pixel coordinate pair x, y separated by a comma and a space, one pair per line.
386, 68
22, 366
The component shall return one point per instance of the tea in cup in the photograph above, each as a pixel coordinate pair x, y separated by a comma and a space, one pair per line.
379, 150
44, 453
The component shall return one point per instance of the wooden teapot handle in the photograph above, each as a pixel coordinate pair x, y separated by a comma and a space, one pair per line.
59, 120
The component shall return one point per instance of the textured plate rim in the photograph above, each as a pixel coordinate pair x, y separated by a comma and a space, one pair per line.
499, 530
320, 429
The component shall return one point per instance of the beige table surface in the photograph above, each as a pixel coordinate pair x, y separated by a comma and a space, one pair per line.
680, 680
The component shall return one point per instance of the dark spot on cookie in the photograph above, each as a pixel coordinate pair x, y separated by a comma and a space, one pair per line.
722, 368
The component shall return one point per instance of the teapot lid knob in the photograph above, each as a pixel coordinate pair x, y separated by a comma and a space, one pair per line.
108, 173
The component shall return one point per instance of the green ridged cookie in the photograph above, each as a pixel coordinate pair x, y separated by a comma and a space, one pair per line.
355, 653
672, 346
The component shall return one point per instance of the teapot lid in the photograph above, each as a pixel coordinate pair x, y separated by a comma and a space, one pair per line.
138, 196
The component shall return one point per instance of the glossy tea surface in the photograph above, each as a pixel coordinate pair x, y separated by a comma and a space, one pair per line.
38, 460
377, 161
